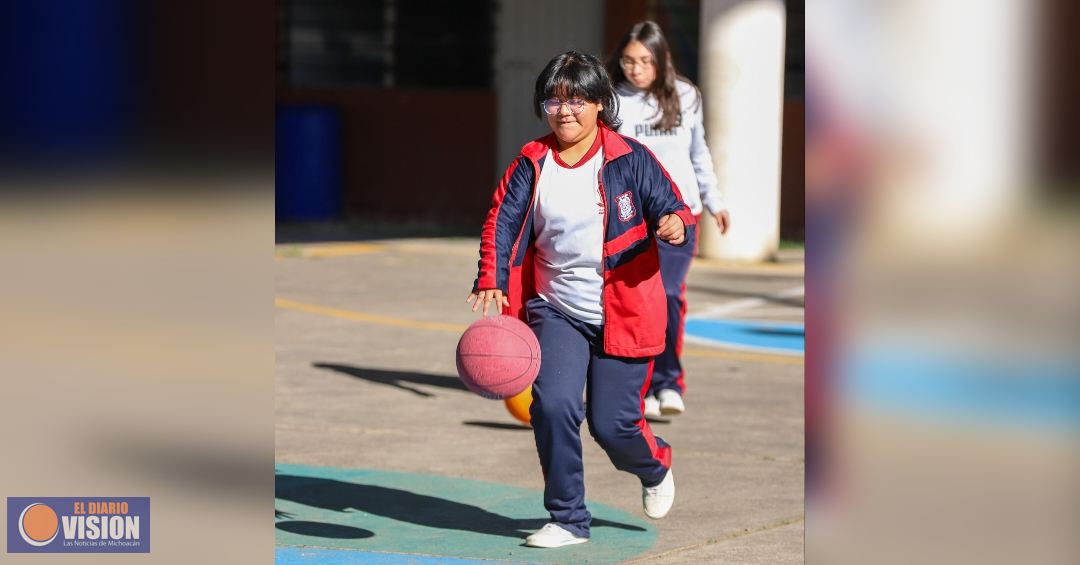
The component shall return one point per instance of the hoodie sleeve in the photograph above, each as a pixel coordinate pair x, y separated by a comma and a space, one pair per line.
509, 205
659, 194
701, 158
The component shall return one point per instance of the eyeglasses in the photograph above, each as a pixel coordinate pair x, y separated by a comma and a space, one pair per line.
551, 106
628, 63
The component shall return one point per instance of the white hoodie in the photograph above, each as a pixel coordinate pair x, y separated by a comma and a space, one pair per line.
682, 151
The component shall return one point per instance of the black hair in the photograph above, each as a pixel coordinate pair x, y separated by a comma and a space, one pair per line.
578, 75
663, 88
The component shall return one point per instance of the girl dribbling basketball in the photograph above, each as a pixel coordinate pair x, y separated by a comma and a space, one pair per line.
569, 245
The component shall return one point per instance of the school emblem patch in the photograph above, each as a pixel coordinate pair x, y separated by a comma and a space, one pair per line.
625, 202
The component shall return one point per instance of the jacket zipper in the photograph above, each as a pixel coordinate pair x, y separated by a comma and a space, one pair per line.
529, 210
603, 260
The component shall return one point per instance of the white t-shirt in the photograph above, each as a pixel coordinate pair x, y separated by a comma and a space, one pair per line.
569, 229
682, 151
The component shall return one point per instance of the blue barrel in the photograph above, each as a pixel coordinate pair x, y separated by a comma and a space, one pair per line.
308, 165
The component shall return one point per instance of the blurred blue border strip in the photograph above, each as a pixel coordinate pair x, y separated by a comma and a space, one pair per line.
1037, 395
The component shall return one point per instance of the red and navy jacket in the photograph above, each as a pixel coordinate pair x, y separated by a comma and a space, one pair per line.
636, 192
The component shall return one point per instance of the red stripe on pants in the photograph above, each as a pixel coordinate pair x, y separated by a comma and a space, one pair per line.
661, 454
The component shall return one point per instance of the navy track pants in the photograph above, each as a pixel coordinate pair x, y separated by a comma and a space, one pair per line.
674, 266
573, 362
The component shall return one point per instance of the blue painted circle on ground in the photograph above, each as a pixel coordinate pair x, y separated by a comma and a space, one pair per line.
438, 517
775, 337
322, 556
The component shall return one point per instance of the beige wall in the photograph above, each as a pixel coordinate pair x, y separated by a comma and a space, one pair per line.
527, 36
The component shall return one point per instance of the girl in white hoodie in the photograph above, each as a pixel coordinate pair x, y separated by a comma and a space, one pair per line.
663, 110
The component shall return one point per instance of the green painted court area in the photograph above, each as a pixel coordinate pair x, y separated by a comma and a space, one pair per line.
406, 513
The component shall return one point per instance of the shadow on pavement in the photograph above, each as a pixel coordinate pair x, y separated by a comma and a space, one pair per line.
368, 229
396, 379
324, 530
793, 332
405, 506
496, 425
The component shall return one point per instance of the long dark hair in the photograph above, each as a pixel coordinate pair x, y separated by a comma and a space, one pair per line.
663, 88
576, 74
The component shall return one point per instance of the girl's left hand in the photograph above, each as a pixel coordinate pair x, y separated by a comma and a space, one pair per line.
723, 221
671, 229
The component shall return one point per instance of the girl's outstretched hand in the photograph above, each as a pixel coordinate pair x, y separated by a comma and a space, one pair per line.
487, 297
671, 229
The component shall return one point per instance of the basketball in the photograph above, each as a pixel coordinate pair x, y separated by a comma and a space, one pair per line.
498, 357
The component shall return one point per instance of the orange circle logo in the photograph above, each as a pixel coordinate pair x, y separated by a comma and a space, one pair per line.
38, 524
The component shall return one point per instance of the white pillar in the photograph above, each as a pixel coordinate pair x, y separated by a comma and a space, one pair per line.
742, 78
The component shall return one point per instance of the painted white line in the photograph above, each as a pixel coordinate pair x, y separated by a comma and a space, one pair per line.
722, 310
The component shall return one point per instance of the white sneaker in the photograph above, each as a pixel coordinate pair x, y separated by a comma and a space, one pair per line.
553, 535
671, 403
652, 407
657, 500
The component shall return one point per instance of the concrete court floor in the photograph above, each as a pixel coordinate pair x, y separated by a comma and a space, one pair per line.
382, 319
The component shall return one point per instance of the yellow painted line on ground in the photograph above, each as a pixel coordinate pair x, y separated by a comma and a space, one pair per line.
365, 317
328, 250
433, 248
287, 304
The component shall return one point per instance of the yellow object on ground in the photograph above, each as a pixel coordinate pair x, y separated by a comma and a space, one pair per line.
519, 404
